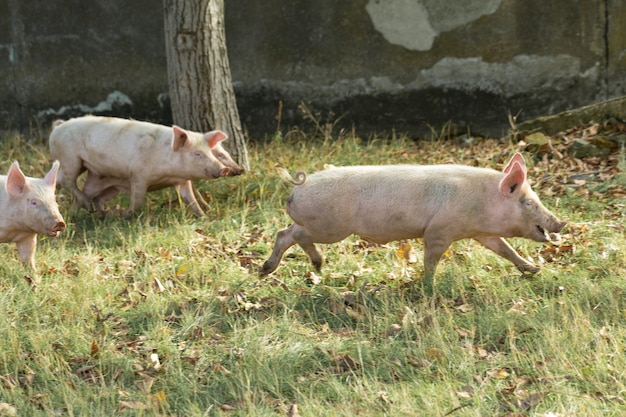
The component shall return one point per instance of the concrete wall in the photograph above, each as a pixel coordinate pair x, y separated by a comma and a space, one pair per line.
380, 64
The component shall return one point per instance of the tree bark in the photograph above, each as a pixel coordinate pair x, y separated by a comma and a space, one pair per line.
200, 83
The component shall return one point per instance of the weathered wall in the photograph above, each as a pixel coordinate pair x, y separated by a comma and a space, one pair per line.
380, 64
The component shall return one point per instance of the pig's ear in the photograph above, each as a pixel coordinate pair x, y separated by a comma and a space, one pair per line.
513, 180
215, 137
516, 158
51, 176
16, 181
179, 139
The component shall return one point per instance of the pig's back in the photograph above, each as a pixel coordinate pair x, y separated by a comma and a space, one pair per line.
108, 145
107, 132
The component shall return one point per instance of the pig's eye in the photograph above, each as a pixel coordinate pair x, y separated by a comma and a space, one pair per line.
198, 154
33, 202
529, 204
220, 155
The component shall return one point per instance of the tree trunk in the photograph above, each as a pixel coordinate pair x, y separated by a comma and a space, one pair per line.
200, 83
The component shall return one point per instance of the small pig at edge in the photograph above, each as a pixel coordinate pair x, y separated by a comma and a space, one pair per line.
438, 203
28, 207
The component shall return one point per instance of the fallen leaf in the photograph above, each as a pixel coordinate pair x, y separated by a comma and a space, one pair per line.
95, 350
498, 373
164, 253
154, 359
145, 384
406, 253
394, 329
130, 405
293, 411
7, 409
523, 404
433, 354
384, 397
160, 286
159, 398
8, 381
181, 270
466, 391
345, 363
465, 333
464, 308
314, 279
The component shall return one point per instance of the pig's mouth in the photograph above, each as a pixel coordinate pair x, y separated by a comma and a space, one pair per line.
542, 234
549, 234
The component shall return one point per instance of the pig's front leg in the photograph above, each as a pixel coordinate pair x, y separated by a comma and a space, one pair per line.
502, 248
138, 192
187, 194
26, 250
201, 201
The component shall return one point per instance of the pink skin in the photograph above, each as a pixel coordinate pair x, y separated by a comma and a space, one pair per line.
438, 203
102, 189
141, 157
29, 208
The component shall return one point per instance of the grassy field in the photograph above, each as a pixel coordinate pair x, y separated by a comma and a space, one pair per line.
163, 314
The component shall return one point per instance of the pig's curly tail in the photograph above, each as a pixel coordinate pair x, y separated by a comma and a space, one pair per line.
300, 176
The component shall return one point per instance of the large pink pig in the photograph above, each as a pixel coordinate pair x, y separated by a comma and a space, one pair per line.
439, 203
28, 207
145, 156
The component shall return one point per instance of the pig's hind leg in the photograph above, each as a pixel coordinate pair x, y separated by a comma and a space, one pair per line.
434, 248
287, 238
70, 173
284, 241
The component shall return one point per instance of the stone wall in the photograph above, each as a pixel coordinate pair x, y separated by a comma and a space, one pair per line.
380, 65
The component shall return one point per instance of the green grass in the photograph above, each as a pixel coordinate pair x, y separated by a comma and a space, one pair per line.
164, 313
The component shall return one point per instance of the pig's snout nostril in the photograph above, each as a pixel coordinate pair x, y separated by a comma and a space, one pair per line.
558, 225
224, 172
60, 226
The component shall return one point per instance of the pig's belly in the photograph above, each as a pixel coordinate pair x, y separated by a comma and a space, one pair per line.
389, 227
330, 224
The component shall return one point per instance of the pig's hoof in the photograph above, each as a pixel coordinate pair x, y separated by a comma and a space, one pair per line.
529, 269
317, 264
128, 213
266, 269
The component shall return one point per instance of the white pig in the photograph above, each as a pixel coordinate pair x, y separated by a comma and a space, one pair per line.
439, 203
101, 189
146, 156
28, 207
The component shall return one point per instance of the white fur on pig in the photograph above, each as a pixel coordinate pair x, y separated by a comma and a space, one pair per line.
134, 157
439, 203
28, 207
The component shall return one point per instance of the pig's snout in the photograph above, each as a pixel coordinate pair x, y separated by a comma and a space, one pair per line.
236, 171
558, 225
58, 228
224, 172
